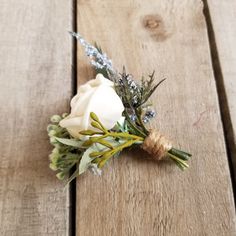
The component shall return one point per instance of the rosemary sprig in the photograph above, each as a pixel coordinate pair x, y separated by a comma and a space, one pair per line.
133, 127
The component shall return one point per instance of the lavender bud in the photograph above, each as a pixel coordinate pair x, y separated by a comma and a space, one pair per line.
150, 113
102, 61
133, 117
145, 120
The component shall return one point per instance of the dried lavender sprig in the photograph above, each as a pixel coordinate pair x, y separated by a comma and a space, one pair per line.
149, 114
98, 60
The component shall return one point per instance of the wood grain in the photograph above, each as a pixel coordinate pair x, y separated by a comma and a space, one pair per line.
223, 15
136, 196
35, 83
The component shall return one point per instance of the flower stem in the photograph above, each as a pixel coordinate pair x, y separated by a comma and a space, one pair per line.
137, 130
109, 154
179, 157
126, 135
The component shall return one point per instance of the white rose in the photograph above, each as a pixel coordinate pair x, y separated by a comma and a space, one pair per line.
98, 96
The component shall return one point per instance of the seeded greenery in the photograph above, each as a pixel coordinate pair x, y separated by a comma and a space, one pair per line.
67, 152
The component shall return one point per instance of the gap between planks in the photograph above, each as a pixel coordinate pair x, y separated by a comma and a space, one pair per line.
35, 65
72, 186
222, 97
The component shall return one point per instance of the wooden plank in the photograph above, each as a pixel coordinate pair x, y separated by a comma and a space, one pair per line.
135, 196
35, 82
223, 15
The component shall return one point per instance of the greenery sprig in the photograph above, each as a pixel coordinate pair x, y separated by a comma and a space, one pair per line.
99, 144
135, 97
114, 142
67, 152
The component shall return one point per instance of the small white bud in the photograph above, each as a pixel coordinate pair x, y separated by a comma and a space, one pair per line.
52, 133
56, 119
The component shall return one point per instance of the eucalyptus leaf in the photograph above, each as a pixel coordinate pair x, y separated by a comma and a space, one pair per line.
70, 142
86, 159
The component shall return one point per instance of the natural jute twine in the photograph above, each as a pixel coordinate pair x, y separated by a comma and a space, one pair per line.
156, 145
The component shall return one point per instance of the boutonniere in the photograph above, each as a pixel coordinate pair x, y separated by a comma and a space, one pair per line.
108, 114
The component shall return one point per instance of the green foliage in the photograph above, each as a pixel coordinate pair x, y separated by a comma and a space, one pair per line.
70, 142
67, 151
147, 88
135, 97
103, 144
86, 159
70, 153
111, 141
97, 150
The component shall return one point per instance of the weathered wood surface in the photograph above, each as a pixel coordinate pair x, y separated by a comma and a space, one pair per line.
35, 82
223, 17
140, 197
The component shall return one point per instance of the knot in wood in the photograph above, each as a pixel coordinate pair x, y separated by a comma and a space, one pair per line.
156, 145
152, 22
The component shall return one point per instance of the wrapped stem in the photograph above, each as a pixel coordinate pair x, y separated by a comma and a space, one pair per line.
159, 147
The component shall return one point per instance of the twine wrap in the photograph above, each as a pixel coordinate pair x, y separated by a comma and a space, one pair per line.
156, 145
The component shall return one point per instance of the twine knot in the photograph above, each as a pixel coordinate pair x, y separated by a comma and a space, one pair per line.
156, 145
